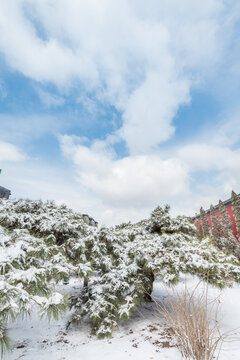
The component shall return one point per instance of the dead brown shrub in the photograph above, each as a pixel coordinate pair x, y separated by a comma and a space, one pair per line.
194, 321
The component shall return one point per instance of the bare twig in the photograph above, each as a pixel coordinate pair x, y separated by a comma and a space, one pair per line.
194, 321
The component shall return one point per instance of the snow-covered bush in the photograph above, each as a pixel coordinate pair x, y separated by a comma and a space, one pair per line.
204, 223
41, 244
34, 257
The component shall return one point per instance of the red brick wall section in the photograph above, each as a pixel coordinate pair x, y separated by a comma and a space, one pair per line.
230, 212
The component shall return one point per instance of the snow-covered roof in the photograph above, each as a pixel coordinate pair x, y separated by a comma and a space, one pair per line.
227, 203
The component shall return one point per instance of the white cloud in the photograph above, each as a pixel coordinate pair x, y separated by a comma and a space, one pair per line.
142, 58
3, 91
227, 133
129, 188
209, 157
114, 190
149, 112
9, 152
136, 181
17, 128
50, 100
215, 169
35, 180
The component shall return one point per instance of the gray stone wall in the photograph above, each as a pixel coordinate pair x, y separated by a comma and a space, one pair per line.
4, 193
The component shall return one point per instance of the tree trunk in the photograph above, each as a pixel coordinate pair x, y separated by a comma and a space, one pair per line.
85, 282
149, 287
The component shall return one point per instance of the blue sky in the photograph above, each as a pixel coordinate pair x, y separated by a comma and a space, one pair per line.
115, 107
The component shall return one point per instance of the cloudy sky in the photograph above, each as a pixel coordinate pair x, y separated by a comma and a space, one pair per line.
116, 106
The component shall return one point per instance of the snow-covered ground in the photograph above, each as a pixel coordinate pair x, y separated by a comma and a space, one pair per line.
144, 337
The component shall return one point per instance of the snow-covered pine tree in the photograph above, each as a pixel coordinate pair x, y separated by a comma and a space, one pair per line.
160, 219
34, 257
229, 242
198, 229
215, 229
236, 209
41, 243
134, 255
26, 267
204, 223
226, 224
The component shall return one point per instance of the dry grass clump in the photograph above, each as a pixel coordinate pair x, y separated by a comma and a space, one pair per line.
194, 322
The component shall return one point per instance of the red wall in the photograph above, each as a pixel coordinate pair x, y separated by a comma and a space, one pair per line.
230, 212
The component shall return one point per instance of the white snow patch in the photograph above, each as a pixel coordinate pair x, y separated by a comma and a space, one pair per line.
143, 337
